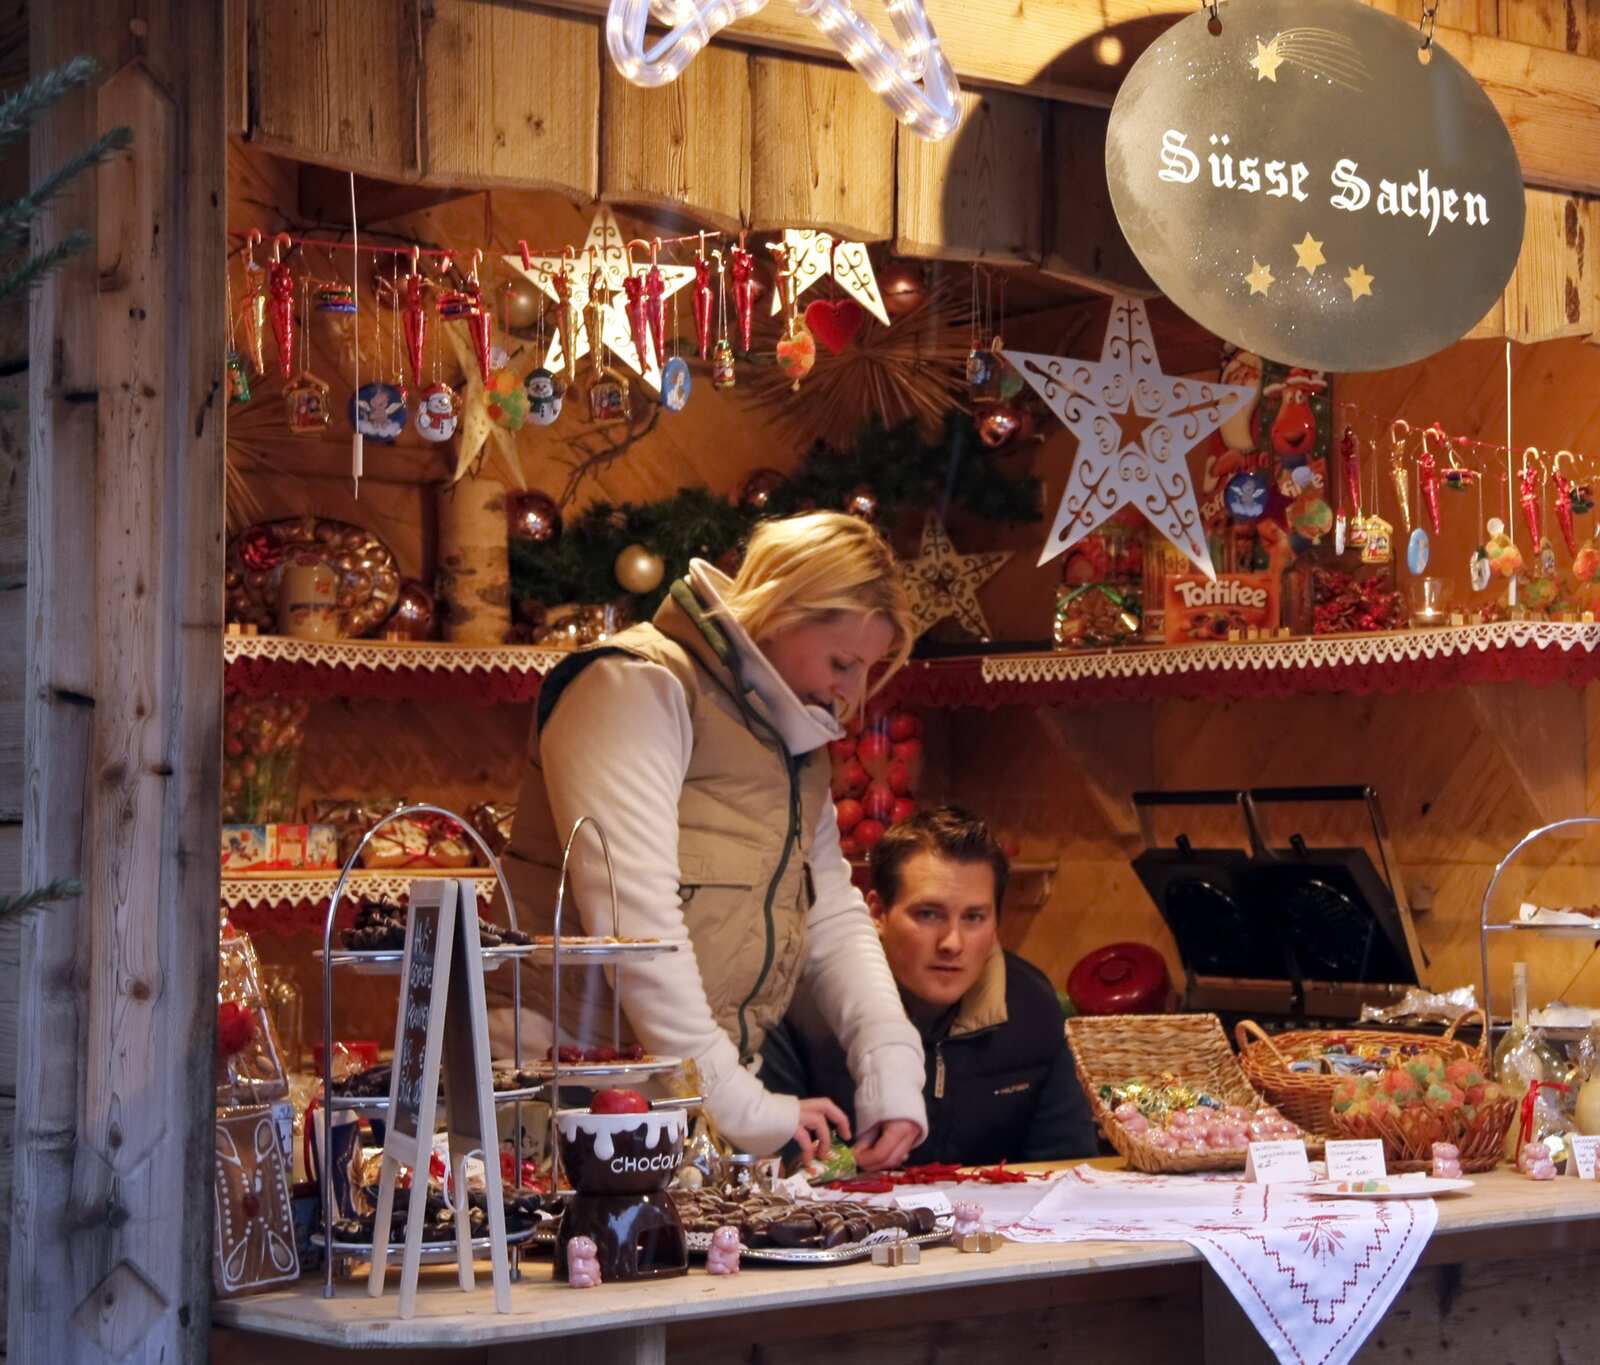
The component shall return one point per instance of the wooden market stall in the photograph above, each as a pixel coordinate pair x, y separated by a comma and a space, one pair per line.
472, 123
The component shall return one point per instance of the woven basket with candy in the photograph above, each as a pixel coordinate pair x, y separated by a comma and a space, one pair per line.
1424, 1101
1168, 1093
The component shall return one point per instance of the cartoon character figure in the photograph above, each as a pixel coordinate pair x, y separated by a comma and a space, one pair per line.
378, 411
438, 413
544, 397
969, 1216
1294, 429
583, 1263
723, 1257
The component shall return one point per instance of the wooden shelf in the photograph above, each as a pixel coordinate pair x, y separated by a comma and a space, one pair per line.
1540, 652
264, 890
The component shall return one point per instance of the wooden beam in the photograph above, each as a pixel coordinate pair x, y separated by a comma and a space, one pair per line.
977, 196
339, 82
1077, 51
821, 151
236, 58
681, 146
1552, 293
110, 1249
1083, 241
510, 97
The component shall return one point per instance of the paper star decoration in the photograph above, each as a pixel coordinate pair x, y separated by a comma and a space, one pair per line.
477, 428
942, 583
1267, 60
814, 252
610, 256
1135, 427
1359, 283
1309, 252
1259, 277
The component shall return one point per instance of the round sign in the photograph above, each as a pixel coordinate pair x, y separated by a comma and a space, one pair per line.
378, 411
1417, 551
1302, 185
675, 384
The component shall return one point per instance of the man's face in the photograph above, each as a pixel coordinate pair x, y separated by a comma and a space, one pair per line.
941, 929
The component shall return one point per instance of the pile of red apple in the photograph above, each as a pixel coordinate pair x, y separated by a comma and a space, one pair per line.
876, 768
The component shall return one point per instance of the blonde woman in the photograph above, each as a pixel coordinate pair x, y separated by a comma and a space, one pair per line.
696, 741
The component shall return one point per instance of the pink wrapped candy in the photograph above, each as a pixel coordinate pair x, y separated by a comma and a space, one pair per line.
1446, 1161
1237, 1113
1136, 1123
1125, 1111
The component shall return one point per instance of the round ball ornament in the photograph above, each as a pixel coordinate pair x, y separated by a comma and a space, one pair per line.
413, 614
902, 287
1245, 496
438, 413
1002, 422
519, 306
639, 569
544, 394
797, 352
675, 384
862, 501
756, 495
534, 516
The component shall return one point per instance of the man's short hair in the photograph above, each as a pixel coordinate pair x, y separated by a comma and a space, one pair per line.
948, 831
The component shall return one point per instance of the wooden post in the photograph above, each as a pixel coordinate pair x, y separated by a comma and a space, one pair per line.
110, 1250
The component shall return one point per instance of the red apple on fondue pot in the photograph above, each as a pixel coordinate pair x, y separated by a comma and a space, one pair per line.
618, 1102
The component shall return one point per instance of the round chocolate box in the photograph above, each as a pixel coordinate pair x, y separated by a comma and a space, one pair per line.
621, 1153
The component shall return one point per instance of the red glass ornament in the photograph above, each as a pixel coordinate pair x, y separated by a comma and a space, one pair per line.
1564, 511
758, 489
744, 299
655, 302
1528, 495
1428, 474
415, 320
638, 325
280, 286
1350, 455
702, 306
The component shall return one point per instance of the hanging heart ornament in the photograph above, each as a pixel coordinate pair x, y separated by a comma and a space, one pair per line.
835, 323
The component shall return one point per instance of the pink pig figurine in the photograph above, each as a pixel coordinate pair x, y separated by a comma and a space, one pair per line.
583, 1263
968, 1216
723, 1257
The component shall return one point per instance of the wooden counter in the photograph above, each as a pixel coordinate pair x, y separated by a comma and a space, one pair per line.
1509, 1274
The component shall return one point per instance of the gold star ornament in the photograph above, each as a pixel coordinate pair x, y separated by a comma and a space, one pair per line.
942, 583
1267, 60
1145, 461
1309, 253
1259, 277
1359, 283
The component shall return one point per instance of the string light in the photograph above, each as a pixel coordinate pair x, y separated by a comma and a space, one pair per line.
916, 81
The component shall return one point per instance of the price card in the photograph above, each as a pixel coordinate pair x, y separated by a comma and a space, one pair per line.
1581, 1156
1356, 1160
936, 1200
1276, 1163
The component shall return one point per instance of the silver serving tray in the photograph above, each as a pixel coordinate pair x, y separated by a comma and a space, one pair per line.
544, 1237
386, 961
433, 1253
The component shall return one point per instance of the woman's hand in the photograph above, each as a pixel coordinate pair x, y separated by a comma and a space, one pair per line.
817, 1114
887, 1146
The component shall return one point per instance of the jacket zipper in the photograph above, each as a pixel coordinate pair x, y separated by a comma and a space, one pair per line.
789, 837
938, 1070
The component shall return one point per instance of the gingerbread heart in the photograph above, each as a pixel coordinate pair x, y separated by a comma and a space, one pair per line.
835, 322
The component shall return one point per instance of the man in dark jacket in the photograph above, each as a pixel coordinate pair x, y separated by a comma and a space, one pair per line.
1000, 1082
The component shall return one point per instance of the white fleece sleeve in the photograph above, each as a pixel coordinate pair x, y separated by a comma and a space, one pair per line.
617, 748
856, 992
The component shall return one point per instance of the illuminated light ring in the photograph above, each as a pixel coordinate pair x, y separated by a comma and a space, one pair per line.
916, 81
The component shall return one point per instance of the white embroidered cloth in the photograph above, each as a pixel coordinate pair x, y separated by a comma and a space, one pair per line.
1315, 1276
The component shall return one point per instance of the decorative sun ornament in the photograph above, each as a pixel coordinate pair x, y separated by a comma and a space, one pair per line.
914, 78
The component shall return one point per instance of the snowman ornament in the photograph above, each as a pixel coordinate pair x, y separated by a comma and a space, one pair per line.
544, 397
438, 413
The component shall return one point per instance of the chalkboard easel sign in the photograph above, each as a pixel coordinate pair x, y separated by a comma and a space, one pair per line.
442, 1021
414, 1078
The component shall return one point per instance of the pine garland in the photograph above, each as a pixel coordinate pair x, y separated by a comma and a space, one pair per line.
902, 469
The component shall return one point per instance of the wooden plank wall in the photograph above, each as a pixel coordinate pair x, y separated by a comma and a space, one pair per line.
768, 139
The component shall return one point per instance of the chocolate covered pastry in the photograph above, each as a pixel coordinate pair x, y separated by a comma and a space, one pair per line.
380, 926
765, 1220
521, 1214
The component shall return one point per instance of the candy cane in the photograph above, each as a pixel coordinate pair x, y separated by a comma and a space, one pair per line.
915, 78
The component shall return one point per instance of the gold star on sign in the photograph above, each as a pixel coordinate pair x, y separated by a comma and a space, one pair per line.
942, 583
1259, 277
1267, 61
1359, 283
1309, 250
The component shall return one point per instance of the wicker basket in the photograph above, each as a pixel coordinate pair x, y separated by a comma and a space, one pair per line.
1307, 1099
1409, 1136
1108, 1049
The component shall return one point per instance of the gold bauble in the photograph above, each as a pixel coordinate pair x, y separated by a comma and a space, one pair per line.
639, 569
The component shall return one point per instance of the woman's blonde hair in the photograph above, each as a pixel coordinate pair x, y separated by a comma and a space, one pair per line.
808, 568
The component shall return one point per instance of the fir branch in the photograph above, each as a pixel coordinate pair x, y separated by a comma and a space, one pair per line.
63, 889
18, 214
19, 109
34, 269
